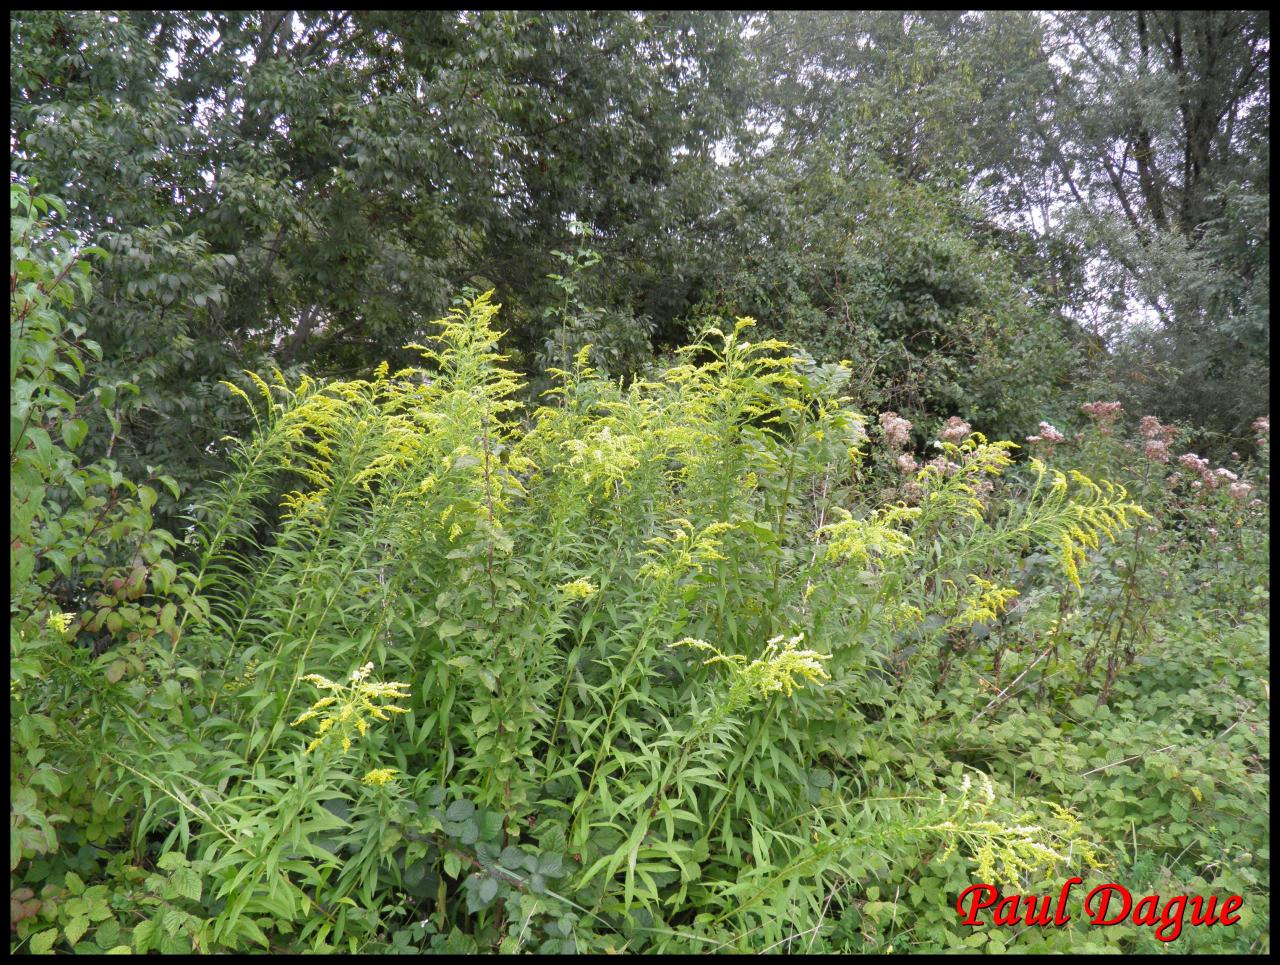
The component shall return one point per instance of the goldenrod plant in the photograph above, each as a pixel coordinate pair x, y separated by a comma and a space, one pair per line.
542, 684
607, 674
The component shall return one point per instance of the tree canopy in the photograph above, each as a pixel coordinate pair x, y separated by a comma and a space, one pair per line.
638, 481
312, 187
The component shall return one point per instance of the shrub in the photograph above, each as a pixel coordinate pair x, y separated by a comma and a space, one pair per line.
528, 583
95, 599
690, 663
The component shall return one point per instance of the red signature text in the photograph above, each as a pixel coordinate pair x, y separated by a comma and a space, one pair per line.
1108, 904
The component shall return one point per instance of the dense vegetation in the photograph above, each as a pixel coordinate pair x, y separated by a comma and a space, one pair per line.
614, 482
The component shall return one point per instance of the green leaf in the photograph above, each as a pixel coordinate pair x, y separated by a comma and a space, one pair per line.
491, 827
452, 864
172, 860
75, 929
43, 942
415, 873
187, 883
39, 439
1083, 706
511, 857
144, 934
73, 432
460, 810
108, 933
23, 802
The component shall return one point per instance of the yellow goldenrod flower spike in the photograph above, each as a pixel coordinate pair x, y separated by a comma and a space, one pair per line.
578, 589
782, 667
348, 708
379, 777
61, 622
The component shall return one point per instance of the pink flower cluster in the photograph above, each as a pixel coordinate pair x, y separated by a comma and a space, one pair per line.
1262, 426
1156, 450
1157, 436
1195, 464
897, 430
1211, 478
1149, 427
907, 462
944, 465
956, 430
1048, 434
1103, 412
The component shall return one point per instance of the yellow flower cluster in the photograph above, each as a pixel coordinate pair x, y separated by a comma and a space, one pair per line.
1003, 849
348, 706
578, 589
1080, 522
857, 540
244, 680
985, 603
781, 663
302, 504
604, 460
379, 777
61, 622
685, 552
782, 667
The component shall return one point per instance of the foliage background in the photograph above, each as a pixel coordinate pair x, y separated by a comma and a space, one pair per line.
224, 507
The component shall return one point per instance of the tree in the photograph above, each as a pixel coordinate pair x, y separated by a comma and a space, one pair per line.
853, 227
1158, 136
309, 188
